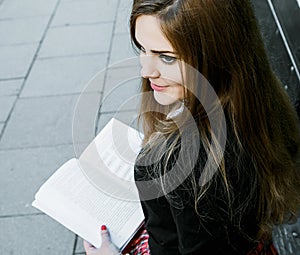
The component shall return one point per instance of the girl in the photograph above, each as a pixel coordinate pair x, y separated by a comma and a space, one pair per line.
202, 194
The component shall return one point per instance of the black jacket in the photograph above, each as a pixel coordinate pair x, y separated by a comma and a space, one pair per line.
176, 228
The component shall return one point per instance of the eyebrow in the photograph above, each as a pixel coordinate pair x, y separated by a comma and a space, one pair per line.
164, 51
157, 51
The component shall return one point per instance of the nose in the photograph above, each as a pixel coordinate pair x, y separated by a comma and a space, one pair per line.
149, 68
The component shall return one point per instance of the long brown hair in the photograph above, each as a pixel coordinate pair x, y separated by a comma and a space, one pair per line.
221, 39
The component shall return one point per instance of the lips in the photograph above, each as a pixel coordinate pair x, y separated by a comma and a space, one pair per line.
157, 87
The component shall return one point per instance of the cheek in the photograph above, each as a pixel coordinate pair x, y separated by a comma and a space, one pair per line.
180, 92
172, 73
175, 91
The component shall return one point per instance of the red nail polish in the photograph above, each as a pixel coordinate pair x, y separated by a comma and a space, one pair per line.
103, 227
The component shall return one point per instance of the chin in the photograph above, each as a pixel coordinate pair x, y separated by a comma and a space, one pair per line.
164, 99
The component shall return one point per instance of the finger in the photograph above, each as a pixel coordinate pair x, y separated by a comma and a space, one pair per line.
87, 246
105, 234
107, 243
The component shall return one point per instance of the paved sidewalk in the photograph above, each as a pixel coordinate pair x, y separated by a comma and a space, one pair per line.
49, 51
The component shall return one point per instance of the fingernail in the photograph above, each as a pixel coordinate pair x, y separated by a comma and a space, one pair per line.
103, 227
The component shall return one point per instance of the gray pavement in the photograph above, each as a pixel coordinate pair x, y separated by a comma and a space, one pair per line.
49, 52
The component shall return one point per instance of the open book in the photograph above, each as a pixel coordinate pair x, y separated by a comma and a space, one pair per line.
98, 188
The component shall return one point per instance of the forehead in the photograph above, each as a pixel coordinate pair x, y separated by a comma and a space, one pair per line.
148, 33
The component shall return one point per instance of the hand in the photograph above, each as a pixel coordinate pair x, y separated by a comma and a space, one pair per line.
107, 247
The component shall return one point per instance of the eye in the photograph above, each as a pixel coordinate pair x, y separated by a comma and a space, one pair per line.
167, 59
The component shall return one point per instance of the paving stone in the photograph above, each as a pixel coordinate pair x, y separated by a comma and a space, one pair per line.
76, 40
25, 30
121, 48
122, 22
121, 89
33, 235
58, 76
81, 12
48, 121
85, 120
26, 8
40, 122
1, 126
79, 247
127, 117
123, 70
6, 104
22, 173
15, 60
10, 87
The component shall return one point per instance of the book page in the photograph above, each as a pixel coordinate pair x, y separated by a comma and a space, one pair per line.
98, 188
108, 161
70, 199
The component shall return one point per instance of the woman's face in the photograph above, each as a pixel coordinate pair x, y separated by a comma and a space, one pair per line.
159, 61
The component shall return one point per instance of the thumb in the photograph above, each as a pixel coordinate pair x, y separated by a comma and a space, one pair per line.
105, 234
